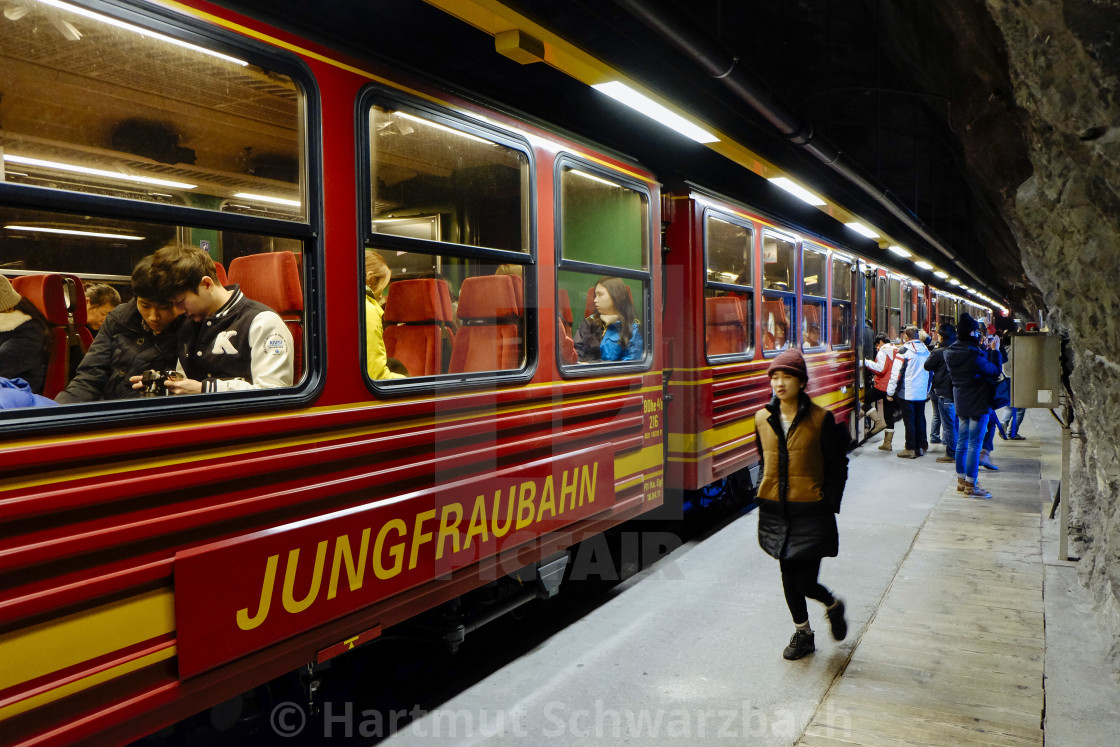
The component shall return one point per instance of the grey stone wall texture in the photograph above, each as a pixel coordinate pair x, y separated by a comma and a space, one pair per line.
1063, 58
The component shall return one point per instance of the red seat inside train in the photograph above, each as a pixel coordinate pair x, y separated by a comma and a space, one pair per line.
48, 293
417, 315
273, 279
775, 325
490, 338
726, 327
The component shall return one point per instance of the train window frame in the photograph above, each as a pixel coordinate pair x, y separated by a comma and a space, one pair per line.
788, 298
820, 301
749, 291
574, 162
894, 309
308, 231
368, 239
907, 310
834, 260
881, 302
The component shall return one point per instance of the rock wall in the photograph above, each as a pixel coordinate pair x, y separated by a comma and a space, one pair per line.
1063, 63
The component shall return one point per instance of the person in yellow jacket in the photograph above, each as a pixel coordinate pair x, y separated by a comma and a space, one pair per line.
378, 275
803, 471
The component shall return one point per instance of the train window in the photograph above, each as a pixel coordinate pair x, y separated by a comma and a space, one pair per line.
604, 246
841, 302
728, 295
778, 294
118, 141
881, 304
442, 314
730, 250
433, 181
894, 309
777, 262
605, 302
96, 106
921, 308
44, 249
814, 279
602, 222
907, 304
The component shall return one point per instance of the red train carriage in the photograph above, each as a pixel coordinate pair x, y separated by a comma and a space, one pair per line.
740, 288
158, 555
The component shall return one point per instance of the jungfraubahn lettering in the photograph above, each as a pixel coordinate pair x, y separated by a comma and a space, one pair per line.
517, 507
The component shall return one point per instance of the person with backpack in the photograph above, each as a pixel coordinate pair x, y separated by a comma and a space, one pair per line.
973, 375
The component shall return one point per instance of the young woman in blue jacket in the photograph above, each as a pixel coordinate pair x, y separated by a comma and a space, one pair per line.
611, 333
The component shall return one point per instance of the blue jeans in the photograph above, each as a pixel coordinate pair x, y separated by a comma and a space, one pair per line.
970, 433
990, 434
1017, 415
944, 405
935, 425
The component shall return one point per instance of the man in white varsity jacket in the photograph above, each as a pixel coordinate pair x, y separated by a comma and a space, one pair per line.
228, 342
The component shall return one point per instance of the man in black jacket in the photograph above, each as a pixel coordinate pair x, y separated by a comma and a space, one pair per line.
943, 393
974, 377
134, 337
228, 342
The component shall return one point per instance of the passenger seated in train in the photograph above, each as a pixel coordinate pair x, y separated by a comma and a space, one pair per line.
228, 342
24, 339
812, 335
100, 300
378, 276
137, 336
611, 333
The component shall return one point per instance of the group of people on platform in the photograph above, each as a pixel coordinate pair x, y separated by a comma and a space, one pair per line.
967, 379
180, 319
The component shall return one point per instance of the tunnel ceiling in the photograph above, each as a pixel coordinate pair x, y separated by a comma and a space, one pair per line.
917, 94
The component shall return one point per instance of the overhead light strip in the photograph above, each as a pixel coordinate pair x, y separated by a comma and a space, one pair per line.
266, 198
797, 191
643, 104
141, 31
96, 172
74, 232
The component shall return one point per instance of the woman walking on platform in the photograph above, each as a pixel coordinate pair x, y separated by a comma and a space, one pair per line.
803, 471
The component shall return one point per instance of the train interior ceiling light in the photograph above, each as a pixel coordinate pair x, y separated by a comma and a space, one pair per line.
624, 94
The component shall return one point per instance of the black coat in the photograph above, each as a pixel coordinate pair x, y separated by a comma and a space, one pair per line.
795, 530
942, 382
974, 379
24, 349
124, 347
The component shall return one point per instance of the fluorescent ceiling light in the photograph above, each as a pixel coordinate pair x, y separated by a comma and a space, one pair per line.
445, 128
96, 172
75, 232
924, 265
862, 230
142, 31
940, 274
593, 178
624, 94
899, 250
266, 198
797, 191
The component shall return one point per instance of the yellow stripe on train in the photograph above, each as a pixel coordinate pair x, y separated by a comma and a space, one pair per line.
719, 436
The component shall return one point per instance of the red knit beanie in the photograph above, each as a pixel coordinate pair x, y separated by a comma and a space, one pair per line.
792, 362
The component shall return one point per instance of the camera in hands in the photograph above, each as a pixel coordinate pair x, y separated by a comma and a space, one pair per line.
153, 382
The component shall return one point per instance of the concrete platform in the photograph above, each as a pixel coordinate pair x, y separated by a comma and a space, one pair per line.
964, 628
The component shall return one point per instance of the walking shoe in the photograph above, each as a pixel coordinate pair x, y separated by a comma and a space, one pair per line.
835, 615
962, 485
947, 458
975, 491
986, 461
934, 440
1017, 437
801, 644
907, 454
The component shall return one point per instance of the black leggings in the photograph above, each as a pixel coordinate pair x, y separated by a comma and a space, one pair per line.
799, 580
